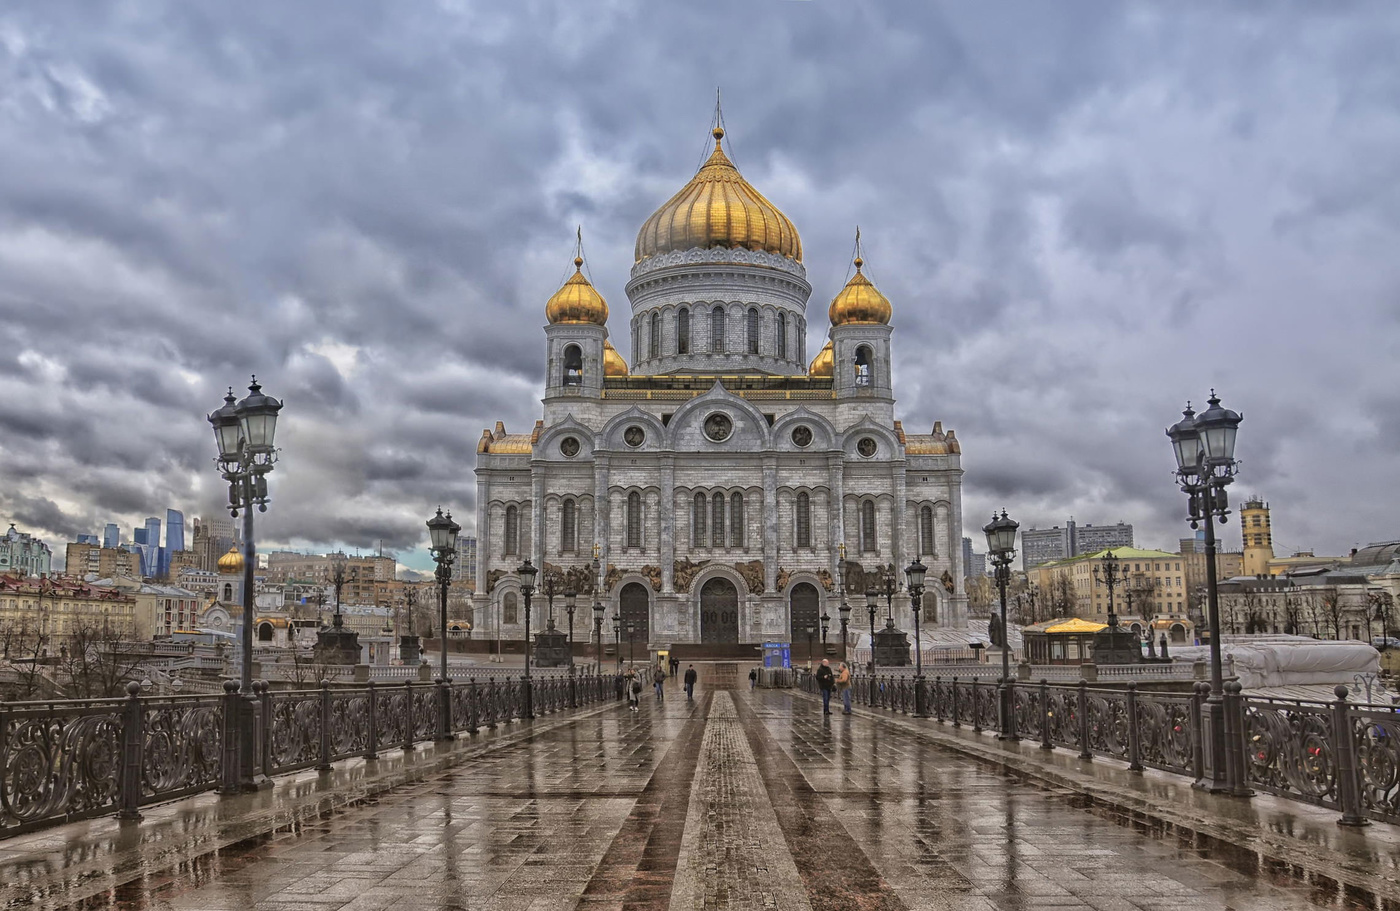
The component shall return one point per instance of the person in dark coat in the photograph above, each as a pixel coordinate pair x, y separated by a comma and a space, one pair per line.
753, 679
690, 678
826, 680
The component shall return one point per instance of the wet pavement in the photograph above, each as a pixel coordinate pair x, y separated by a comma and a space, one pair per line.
738, 800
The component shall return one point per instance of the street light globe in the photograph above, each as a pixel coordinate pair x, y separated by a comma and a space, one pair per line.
1186, 442
914, 574
1217, 427
527, 573
257, 417
1001, 535
228, 431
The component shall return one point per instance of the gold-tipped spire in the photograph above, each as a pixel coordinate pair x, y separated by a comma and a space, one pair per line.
577, 301
718, 208
860, 301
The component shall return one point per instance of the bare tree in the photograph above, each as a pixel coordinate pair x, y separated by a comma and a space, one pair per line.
23, 651
1332, 611
98, 659
1059, 597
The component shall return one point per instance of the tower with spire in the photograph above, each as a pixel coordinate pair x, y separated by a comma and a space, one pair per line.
732, 492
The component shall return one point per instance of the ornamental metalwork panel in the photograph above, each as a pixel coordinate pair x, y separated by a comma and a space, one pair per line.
1064, 717
1108, 723
966, 702
486, 703
1290, 750
1166, 737
294, 739
349, 727
391, 714
182, 746
425, 711
1376, 733
461, 706
985, 707
941, 699
59, 760
1026, 711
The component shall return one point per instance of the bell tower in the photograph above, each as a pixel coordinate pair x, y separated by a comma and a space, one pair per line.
576, 337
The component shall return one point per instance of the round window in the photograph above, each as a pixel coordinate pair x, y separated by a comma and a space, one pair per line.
866, 446
718, 427
802, 435
569, 446
634, 436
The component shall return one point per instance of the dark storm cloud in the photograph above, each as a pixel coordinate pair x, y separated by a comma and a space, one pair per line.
1084, 215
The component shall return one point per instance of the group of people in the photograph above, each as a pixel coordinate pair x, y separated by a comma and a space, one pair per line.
838, 680
632, 683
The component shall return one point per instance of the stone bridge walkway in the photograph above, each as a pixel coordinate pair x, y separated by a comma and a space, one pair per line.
738, 800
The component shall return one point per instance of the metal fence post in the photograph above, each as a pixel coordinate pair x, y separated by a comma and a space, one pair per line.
372, 737
1348, 778
132, 723
1134, 732
232, 705
263, 691
1198, 746
325, 764
444, 689
1046, 741
976, 715
1084, 751
1006, 695
473, 710
937, 696
957, 721
409, 722
1234, 741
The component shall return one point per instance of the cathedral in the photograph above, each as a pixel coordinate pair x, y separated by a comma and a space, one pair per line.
728, 490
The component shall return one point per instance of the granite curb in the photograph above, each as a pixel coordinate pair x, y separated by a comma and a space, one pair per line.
94, 862
1364, 865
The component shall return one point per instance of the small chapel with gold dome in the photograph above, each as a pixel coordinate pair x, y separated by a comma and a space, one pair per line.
728, 488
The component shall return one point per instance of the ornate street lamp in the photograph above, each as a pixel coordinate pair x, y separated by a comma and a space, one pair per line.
845, 608
442, 537
570, 605
617, 637
914, 578
1001, 547
1109, 573
872, 599
1204, 446
631, 644
527, 572
244, 432
597, 613
811, 632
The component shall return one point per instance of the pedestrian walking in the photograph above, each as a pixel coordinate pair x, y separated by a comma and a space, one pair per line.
843, 687
634, 690
825, 680
753, 679
675, 666
659, 678
690, 678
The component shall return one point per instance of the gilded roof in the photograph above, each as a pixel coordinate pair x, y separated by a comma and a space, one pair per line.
613, 364
231, 562
824, 364
718, 208
1076, 625
859, 302
936, 443
498, 442
577, 301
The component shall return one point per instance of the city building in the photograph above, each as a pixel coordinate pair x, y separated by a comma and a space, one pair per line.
161, 610
23, 554
211, 539
111, 535
36, 613
1153, 590
719, 474
464, 570
1041, 545
1319, 602
974, 564
1228, 564
1257, 535
174, 540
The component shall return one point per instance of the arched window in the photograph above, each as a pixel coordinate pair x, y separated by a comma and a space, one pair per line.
782, 334
568, 528
265, 632
804, 520
717, 329
228, 592
926, 531
683, 331
512, 537
654, 342
717, 517
573, 366
636, 338
736, 520
753, 330
864, 366
634, 519
698, 521
868, 543
509, 608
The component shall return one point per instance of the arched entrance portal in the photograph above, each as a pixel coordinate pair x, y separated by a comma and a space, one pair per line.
719, 611
804, 612
635, 602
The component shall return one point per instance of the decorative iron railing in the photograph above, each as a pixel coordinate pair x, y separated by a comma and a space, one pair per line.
73, 759
1336, 754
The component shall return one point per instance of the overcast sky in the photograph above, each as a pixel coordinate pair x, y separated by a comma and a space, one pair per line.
1084, 214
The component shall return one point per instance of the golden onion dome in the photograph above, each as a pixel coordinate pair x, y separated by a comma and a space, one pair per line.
824, 364
577, 301
231, 562
859, 302
613, 364
718, 208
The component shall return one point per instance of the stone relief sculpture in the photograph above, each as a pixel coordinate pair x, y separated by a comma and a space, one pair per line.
493, 577
685, 572
653, 574
576, 578
752, 573
824, 577
947, 580
859, 579
784, 577
612, 578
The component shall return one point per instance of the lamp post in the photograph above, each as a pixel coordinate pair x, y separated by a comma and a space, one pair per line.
631, 644
570, 605
244, 432
527, 573
1001, 547
811, 631
442, 536
871, 599
1204, 446
1109, 573
617, 638
914, 578
844, 609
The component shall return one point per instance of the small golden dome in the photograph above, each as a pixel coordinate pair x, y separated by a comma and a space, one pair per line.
231, 562
613, 364
824, 364
718, 208
859, 302
577, 301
